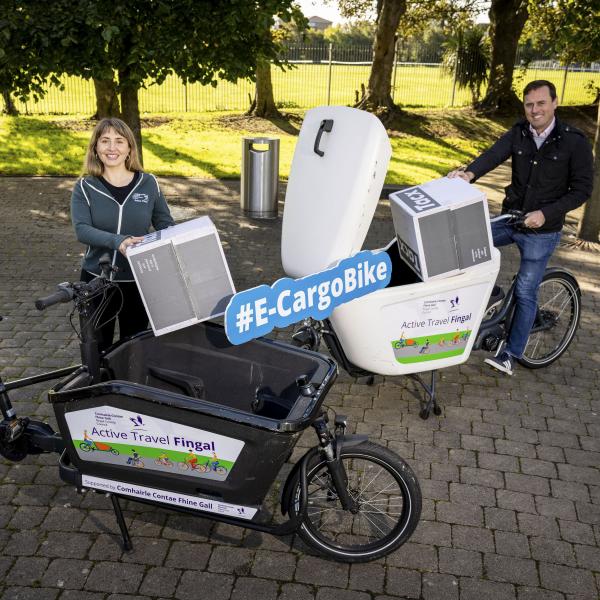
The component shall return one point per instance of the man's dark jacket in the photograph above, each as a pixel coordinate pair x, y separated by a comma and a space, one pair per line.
555, 179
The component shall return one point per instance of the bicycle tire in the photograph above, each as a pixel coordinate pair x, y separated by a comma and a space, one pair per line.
370, 533
86, 447
221, 470
559, 300
183, 466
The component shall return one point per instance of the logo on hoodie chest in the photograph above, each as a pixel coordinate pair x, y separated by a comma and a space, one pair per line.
138, 197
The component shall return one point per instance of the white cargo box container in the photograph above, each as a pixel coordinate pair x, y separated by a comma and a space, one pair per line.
182, 275
335, 182
414, 326
442, 227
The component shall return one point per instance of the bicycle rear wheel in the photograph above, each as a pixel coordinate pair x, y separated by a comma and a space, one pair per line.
559, 310
388, 501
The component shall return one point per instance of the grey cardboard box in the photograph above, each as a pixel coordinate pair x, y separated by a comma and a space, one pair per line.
182, 275
442, 227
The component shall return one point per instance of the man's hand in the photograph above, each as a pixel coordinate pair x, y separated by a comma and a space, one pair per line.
468, 176
534, 219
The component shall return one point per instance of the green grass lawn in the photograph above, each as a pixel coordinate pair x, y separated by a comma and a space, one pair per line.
302, 87
209, 144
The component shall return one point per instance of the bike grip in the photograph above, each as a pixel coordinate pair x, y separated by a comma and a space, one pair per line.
61, 295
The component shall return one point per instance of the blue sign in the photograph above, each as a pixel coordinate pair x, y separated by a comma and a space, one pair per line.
255, 312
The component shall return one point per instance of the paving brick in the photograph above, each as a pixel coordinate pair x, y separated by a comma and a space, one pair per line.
570, 490
520, 434
433, 489
188, 555
207, 585
67, 573
512, 544
588, 557
318, 571
472, 494
29, 593
444, 472
414, 556
59, 545
403, 582
433, 533
566, 579
579, 474
479, 589
296, 591
510, 569
251, 587
541, 468
529, 593
460, 457
482, 477
553, 551
479, 443
513, 448
499, 462
147, 551
437, 586
499, 518
28, 570
23, 543
518, 501
550, 453
460, 562
555, 507
472, 538
461, 514
274, 565
573, 531
588, 513
114, 577
237, 561
337, 594
160, 581
529, 484
534, 525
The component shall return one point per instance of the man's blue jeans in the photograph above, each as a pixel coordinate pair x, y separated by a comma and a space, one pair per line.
536, 249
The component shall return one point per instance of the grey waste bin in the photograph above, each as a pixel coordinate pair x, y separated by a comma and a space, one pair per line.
260, 177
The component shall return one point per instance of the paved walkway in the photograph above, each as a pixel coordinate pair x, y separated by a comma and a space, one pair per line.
509, 472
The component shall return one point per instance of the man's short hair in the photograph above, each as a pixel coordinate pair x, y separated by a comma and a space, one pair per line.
540, 83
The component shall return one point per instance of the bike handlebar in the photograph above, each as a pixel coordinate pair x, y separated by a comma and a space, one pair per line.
64, 294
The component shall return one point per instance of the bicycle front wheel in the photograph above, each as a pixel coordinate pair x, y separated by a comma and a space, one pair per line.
559, 310
388, 505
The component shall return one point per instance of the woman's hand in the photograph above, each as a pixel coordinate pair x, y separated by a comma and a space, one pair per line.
129, 242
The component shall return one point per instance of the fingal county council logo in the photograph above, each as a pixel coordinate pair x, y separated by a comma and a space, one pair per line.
137, 422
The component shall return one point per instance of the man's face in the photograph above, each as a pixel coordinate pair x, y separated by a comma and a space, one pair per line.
540, 108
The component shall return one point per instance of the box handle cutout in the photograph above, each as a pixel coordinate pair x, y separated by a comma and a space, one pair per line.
326, 125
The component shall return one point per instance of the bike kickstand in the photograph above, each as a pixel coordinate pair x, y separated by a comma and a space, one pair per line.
430, 403
127, 544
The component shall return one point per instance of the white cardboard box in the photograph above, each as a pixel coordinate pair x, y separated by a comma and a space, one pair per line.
442, 227
182, 275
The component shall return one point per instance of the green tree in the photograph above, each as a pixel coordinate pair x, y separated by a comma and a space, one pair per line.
507, 19
142, 42
574, 27
466, 55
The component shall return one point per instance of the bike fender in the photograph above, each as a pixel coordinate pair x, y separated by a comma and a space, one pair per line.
286, 493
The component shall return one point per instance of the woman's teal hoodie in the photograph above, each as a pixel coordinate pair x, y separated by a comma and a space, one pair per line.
102, 223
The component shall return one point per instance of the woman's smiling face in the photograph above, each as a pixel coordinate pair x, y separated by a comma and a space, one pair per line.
112, 148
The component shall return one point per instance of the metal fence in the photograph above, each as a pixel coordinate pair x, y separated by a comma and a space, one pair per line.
320, 75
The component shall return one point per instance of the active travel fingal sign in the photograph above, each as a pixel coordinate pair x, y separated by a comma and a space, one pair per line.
111, 435
255, 312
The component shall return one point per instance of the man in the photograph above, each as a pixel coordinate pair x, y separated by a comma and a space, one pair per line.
551, 175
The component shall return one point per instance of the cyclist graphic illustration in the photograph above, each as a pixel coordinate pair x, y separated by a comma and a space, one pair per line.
163, 459
215, 461
425, 348
135, 459
192, 460
87, 440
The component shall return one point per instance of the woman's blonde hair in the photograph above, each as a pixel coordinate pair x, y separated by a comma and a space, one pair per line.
92, 165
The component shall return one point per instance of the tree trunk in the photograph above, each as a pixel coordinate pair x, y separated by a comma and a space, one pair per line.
263, 104
9, 105
379, 91
107, 100
589, 226
507, 19
131, 109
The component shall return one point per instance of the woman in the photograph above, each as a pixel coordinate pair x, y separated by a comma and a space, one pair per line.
113, 205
